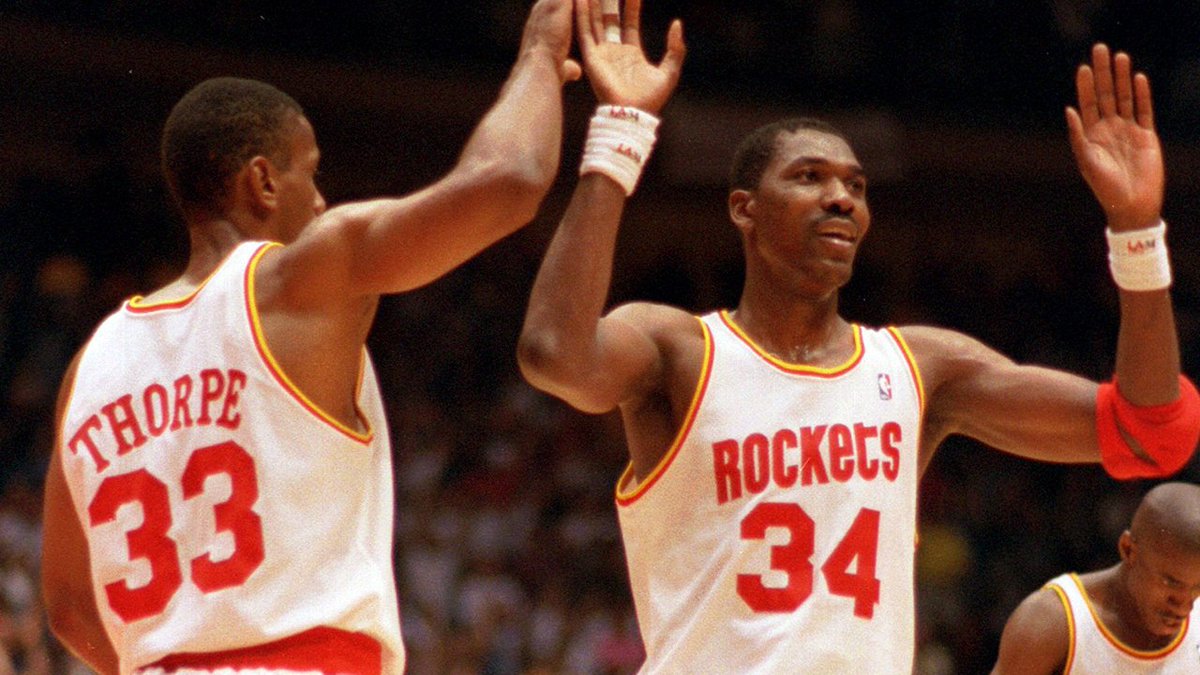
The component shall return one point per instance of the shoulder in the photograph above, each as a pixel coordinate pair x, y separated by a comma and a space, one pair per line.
1041, 619
1037, 636
662, 323
943, 354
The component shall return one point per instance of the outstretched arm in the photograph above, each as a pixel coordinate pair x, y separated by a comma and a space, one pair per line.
1146, 429
566, 348
496, 186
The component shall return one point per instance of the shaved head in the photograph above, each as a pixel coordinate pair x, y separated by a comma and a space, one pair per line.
1169, 513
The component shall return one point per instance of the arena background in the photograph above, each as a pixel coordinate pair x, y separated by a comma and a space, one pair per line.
508, 555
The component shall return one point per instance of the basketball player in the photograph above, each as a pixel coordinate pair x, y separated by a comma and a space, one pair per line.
769, 508
1138, 616
220, 495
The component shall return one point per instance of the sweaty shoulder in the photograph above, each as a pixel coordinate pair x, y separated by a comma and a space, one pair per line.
1037, 637
677, 337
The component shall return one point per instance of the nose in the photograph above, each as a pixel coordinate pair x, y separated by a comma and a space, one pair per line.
319, 204
837, 198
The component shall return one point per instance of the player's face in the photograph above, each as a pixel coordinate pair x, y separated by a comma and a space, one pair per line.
299, 198
809, 212
1165, 580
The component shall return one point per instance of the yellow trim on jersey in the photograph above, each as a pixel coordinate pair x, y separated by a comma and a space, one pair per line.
138, 305
912, 366
264, 351
1121, 646
796, 368
1071, 634
627, 498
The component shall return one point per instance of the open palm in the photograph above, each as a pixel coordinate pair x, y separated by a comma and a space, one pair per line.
619, 72
1113, 138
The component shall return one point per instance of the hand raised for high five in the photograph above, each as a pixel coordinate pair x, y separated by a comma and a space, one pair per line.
619, 71
1113, 138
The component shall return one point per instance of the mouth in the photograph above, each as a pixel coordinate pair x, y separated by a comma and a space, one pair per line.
839, 230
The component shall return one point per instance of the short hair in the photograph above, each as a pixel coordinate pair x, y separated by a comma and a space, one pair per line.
756, 150
214, 130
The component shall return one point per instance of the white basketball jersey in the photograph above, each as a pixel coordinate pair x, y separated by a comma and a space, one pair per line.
1096, 651
231, 524
778, 533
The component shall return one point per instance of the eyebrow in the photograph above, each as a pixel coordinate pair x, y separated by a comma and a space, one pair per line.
854, 168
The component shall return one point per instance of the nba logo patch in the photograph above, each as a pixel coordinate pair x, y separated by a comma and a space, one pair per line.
885, 387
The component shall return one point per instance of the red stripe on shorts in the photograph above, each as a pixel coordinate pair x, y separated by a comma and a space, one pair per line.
329, 650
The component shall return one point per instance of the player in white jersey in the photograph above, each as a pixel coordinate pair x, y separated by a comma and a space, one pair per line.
219, 498
768, 511
1137, 617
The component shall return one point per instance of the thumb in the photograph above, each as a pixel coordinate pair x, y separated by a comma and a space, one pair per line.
570, 71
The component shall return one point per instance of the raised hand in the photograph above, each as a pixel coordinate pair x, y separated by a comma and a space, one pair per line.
619, 71
1113, 138
549, 27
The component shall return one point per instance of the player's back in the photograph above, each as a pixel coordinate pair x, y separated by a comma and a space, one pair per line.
230, 522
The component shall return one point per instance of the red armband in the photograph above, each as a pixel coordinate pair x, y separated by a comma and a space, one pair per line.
1147, 441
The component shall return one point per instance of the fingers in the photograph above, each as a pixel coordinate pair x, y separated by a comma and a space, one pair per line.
1102, 67
1124, 85
1145, 109
610, 15
632, 32
584, 26
1075, 132
672, 62
1109, 88
1085, 86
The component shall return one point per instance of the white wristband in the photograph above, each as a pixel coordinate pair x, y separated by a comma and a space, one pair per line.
618, 144
1138, 259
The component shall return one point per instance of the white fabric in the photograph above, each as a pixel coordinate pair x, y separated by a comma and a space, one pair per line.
1097, 652
324, 499
618, 144
1138, 259
689, 536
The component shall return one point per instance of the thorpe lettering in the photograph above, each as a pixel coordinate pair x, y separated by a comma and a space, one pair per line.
817, 454
210, 397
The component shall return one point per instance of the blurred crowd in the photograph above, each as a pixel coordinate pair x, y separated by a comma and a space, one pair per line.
508, 556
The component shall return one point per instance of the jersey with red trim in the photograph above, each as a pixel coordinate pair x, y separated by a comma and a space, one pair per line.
231, 523
1095, 650
778, 533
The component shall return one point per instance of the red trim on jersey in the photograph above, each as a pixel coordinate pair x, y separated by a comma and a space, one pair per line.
1121, 646
260, 343
1071, 630
912, 366
795, 368
329, 650
628, 498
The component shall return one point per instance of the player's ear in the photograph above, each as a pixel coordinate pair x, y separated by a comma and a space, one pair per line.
261, 188
741, 209
1126, 546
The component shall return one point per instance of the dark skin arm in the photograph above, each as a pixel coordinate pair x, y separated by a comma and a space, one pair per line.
66, 577
318, 295
1036, 638
568, 348
1041, 413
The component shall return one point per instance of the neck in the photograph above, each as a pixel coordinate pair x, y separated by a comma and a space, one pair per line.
210, 241
795, 330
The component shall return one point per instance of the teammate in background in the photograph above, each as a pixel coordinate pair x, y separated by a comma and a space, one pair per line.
220, 495
1138, 616
769, 509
